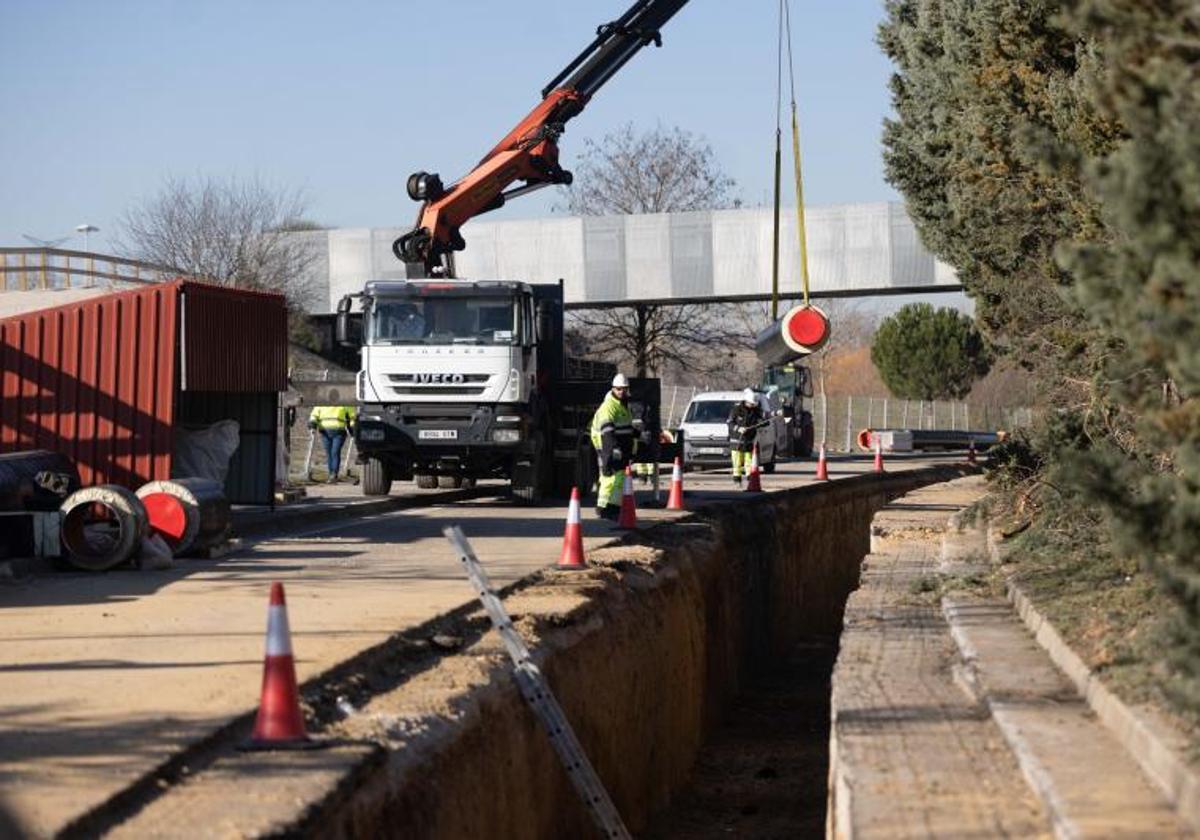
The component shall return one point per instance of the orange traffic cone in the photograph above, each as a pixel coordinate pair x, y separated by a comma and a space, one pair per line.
280, 724
572, 550
675, 500
822, 467
878, 455
628, 516
971, 451
754, 483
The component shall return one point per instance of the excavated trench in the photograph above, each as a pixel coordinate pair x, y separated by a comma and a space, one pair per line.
693, 662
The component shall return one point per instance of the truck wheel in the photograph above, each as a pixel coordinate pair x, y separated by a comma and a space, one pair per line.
564, 480
529, 479
376, 478
449, 482
426, 481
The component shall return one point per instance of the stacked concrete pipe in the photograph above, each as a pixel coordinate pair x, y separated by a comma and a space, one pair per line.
190, 514
103, 526
36, 480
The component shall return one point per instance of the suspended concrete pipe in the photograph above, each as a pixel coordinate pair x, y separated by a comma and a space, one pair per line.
103, 526
802, 330
190, 514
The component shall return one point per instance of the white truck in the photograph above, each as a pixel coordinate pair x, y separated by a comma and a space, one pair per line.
464, 380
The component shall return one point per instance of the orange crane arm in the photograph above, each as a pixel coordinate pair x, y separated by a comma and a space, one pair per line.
529, 152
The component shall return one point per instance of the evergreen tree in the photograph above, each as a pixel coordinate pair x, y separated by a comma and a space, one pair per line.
982, 90
1142, 286
926, 353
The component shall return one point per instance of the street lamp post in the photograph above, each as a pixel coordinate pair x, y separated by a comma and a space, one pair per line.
86, 229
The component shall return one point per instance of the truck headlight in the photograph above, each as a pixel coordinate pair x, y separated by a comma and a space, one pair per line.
512, 392
506, 435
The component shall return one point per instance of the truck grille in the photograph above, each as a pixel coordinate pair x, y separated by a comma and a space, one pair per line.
471, 385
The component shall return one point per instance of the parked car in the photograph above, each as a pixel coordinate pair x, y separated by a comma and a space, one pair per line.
706, 430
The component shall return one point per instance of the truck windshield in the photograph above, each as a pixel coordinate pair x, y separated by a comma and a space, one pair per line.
708, 411
442, 320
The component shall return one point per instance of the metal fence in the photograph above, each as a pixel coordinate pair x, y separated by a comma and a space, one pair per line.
35, 269
838, 419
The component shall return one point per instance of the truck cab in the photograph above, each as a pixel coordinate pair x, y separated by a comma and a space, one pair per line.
465, 380
793, 382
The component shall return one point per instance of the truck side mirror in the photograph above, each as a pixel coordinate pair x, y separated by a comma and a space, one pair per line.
544, 323
347, 331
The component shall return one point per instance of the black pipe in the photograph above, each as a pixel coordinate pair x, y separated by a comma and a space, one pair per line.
36, 480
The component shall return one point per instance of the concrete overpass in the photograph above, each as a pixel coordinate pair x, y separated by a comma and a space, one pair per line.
854, 250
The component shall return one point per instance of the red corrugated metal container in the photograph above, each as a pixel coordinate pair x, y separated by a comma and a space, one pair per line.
250, 331
100, 380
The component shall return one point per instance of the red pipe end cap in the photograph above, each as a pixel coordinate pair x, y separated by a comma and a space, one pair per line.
166, 514
809, 327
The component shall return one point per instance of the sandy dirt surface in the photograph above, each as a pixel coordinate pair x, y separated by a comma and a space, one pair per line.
105, 676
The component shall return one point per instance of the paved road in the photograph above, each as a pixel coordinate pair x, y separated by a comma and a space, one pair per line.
104, 676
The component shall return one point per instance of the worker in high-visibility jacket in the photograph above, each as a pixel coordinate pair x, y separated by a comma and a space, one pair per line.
615, 443
744, 422
334, 423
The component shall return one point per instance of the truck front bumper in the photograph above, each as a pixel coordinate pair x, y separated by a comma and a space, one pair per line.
429, 432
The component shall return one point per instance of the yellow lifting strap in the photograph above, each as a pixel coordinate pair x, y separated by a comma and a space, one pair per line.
801, 234
785, 25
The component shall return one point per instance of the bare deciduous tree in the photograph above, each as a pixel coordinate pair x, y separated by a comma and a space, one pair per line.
658, 171
235, 233
647, 338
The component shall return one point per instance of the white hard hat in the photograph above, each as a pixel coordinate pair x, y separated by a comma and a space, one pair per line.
748, 396
619, 381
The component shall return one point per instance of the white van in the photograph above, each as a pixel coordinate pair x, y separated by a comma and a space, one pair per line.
706, 429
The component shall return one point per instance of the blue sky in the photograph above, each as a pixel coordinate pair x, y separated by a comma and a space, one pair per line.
103, 100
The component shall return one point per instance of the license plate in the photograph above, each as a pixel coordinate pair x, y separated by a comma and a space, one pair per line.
438, 434
370, 434
710, 450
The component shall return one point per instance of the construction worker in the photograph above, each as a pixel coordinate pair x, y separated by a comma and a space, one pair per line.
744, 421
643, 471
613, 438
334, 422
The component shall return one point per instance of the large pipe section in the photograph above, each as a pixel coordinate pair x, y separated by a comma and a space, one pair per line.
190, 514
934, 438
802, 330
36, 480
103, 526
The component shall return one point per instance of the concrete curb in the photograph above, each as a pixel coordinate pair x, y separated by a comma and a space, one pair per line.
1161, 763
1040, 780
